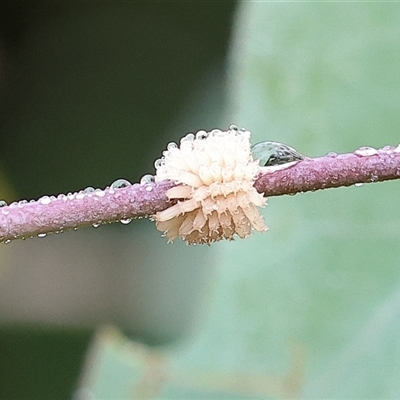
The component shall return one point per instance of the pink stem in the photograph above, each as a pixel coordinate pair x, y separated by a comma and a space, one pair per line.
332, 171
50, 214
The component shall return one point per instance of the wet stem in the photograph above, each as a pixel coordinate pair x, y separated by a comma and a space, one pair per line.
123, 201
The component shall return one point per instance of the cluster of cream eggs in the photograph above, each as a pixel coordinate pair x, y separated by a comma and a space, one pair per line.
214, 198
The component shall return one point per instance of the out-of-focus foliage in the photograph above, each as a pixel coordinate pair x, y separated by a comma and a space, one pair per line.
321, 77
91, 92
311, 308
90, 88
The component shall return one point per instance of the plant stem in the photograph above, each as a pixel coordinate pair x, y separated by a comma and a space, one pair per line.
24, 219
311, 174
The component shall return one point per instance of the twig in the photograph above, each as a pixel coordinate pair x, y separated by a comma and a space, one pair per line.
24, 219
49, 214
365, 165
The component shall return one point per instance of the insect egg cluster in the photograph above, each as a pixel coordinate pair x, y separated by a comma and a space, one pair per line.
214, 197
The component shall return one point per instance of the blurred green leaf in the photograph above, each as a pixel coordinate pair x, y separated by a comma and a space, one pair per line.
321, 77
310, 308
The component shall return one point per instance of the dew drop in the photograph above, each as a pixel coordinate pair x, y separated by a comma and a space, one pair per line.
7, 241
41, 235
22, 203
188, 138
219, 133
3, 203
171, 146
201, 135
331, 154
120, 183
96, 224
386, 148
45, 200
148, 178
233, 128
358, 184
125, 221
366, 151
374, 178
158, 163
99, 193
88, 189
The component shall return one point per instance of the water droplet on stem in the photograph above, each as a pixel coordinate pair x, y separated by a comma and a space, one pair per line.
148, 178
365, 151
331, 154
120, 183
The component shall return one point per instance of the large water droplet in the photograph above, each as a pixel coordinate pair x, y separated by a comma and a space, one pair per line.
358, 184
41, 235
3, 203
96, 224
125, 221
233, 127
7, 241
120, 183
148, 178
365, 151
